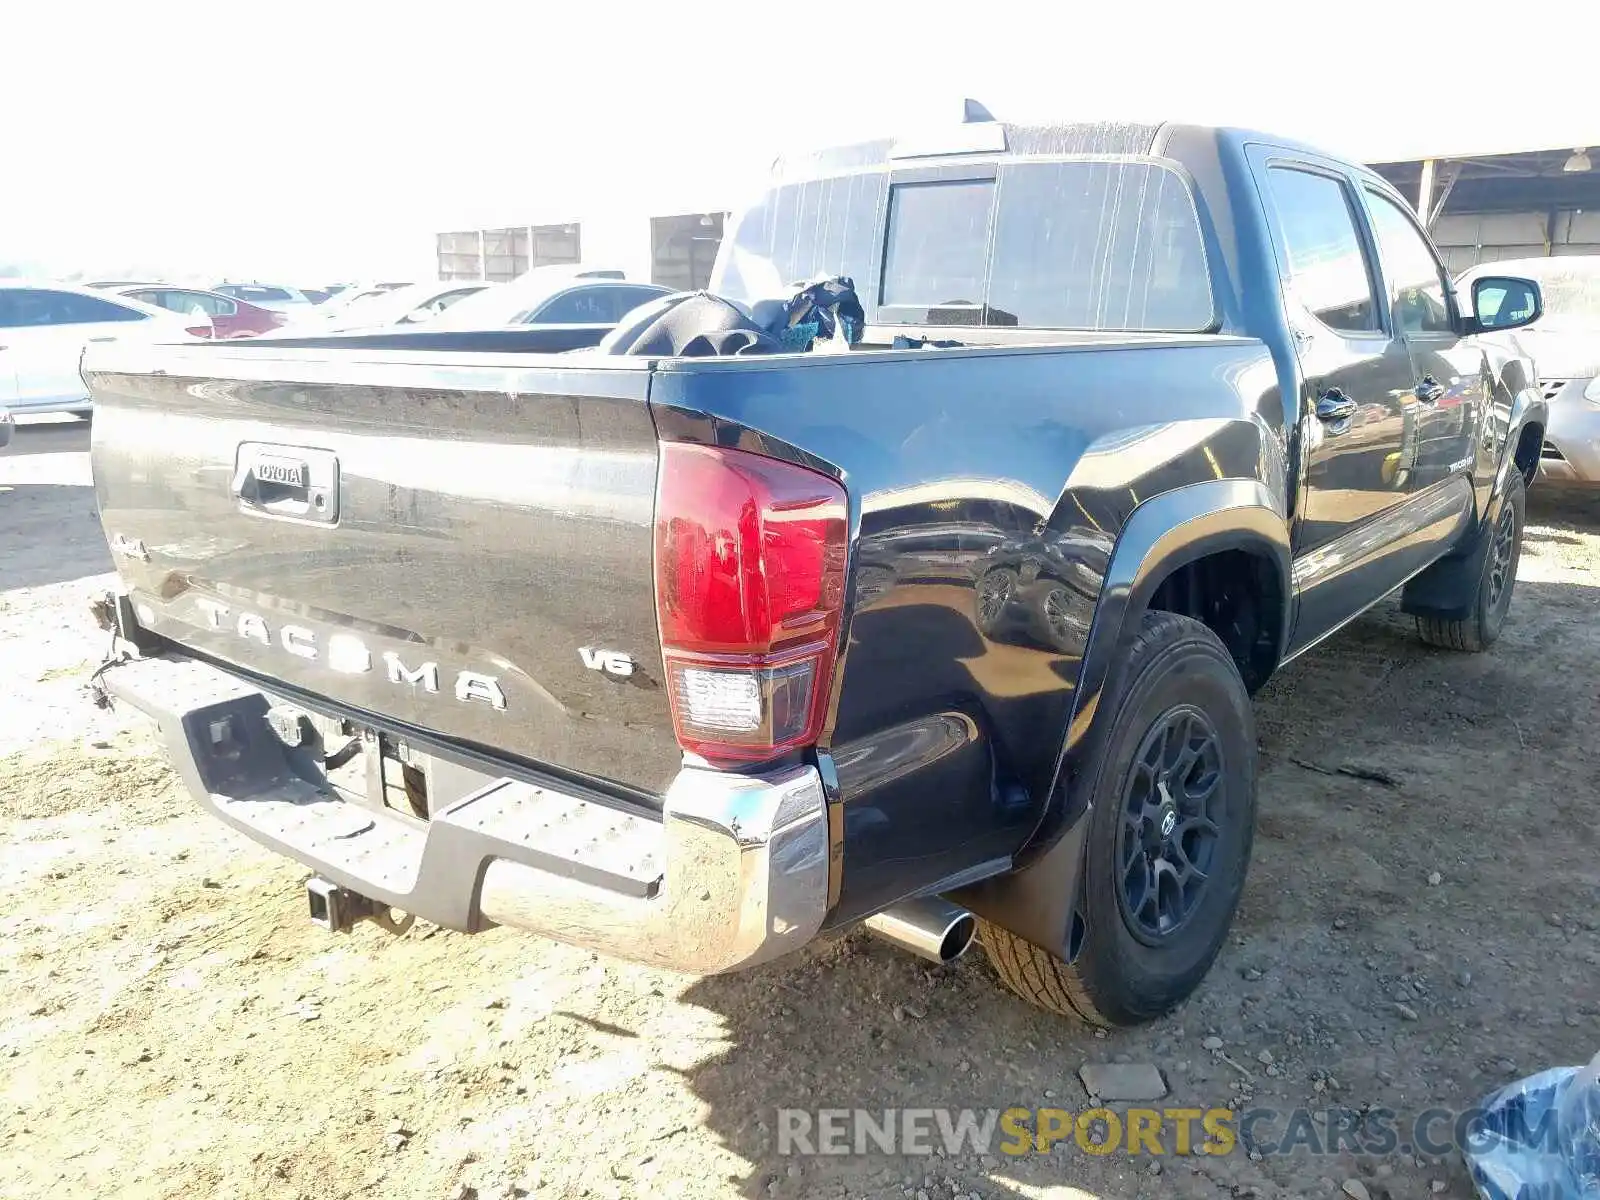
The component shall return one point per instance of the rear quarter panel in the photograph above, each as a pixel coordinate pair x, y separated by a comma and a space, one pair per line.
987, 490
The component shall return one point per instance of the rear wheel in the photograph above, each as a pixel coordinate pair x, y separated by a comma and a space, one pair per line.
1491, 599
1067, 614
995, 592
1171, 824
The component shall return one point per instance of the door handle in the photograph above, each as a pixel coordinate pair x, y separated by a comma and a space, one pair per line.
1429, 390
1333, 405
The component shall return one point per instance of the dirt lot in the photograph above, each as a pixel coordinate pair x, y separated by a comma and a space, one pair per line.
171, 1025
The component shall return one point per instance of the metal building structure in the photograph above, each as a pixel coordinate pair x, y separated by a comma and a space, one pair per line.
676, 251
1490, 207
500, 255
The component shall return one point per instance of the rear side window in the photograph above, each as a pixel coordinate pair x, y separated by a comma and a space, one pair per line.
623, 300
591, 306
212, 306
255, 293
1327, 266
581, 306
22, 308
187, 302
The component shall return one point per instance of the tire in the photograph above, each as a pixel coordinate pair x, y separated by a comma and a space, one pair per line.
1494, 583
1131, 965
1064, 618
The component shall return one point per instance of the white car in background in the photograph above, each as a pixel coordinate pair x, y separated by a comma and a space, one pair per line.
1564, 344
267, 295
555, 295
319, 318
409, 305
45, 326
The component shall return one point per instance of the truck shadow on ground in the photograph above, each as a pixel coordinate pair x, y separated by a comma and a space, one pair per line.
47, 437
1571, 503
49, 533
1410, 927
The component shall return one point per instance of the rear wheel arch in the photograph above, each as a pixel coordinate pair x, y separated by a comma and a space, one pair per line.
1237, 586
1205, 529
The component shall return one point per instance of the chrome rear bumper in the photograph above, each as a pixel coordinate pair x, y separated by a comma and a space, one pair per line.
733, 873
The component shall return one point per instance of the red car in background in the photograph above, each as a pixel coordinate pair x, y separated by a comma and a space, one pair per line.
230, 318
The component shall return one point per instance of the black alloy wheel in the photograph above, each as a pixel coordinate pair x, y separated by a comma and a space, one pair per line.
1170, 827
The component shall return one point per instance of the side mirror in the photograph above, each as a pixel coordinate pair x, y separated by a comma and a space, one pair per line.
1504, 302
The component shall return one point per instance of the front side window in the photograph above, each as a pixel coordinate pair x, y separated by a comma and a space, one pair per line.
1327, 267
1417, 286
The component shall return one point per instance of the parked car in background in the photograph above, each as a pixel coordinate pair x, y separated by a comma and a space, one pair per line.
1565, 348
544, 296
44, 328
266, 295
7, 425
317, 316
230, 318
409, 305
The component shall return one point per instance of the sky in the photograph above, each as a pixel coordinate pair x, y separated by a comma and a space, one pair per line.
308, 142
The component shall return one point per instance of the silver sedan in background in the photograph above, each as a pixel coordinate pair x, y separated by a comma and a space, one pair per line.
1565, 346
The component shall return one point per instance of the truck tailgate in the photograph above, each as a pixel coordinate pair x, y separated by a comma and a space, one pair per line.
458, 543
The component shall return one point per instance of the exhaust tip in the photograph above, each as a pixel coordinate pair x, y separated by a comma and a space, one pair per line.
929, 927
958, 938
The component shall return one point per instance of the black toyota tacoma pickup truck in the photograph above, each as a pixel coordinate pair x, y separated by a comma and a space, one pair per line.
691, 656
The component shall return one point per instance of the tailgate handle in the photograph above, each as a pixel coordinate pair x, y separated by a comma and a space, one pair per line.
293, 483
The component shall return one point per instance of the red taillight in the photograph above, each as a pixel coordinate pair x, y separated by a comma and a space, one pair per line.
749, 583
199, 330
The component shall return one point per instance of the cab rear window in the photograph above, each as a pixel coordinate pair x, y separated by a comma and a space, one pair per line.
1092, 244
1102, 245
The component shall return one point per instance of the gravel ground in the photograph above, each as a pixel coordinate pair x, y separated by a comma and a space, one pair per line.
1419, 926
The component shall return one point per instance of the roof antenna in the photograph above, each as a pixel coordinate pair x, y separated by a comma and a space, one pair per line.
972, 112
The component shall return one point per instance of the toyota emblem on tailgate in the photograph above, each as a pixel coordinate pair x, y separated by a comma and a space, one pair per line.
292, 483
283, 471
